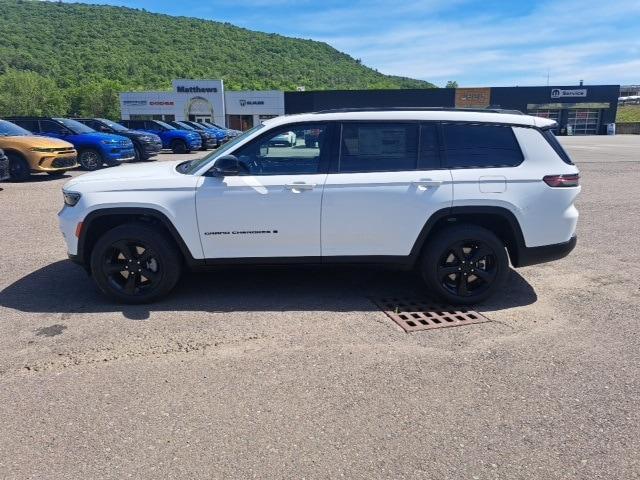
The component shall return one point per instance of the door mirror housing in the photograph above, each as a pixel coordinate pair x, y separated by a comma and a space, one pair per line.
225, 166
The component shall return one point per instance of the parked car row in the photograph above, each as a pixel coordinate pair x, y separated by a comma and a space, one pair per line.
55, 145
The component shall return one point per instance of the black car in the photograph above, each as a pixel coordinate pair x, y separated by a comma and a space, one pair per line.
146, 145
4, 167
208, 140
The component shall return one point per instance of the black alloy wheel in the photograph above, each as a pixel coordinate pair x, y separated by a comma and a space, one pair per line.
131, 267
467, 268
19, 170
90, 160
465, 264
136, 263
179, 146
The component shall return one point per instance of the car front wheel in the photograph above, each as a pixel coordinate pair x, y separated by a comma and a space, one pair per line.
464, 264
90, 159
135, 263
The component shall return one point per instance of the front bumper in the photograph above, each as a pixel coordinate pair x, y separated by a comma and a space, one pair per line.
151, 149
52, 162
118, 155
546, 253
194, 144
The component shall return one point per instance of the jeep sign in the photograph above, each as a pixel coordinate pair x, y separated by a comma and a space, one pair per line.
560, 92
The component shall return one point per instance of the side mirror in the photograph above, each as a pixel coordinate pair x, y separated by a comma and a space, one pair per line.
226, 166
105, 129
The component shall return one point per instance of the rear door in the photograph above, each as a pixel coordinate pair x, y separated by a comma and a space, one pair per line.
385, 183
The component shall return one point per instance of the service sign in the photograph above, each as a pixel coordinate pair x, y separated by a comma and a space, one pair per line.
561, 92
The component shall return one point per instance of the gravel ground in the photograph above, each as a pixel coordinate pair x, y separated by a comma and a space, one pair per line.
293, 373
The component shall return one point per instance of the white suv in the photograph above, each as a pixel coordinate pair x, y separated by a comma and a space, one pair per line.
457, 194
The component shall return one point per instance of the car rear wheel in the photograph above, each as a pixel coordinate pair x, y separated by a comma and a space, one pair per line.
464, 264
179, 146
90, 159
135, 263
19, 170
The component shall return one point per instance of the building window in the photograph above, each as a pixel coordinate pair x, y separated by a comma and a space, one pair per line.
240, 122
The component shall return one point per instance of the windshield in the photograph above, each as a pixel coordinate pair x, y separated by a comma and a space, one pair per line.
74, 126
193, 166
185, 126
165, 125
113, 125
8, 129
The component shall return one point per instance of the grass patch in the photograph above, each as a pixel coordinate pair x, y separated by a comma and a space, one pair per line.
628, 113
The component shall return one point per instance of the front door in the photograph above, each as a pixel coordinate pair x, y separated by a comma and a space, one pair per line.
383, 188
273, 208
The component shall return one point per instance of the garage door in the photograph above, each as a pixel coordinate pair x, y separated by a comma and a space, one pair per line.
584, 121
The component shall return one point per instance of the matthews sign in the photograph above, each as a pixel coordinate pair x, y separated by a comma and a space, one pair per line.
196, 89
561, 92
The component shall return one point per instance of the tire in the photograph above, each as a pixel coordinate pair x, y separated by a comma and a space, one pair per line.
453, 259
90, 159
19, 170
137, 154
122, 248
179, 146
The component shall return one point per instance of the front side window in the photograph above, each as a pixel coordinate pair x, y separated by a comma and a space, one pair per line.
480, 146
378, 147
292, 150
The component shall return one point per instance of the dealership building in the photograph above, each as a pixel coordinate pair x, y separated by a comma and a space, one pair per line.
578, 110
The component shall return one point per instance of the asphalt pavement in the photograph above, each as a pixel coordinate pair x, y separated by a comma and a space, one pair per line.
295, 373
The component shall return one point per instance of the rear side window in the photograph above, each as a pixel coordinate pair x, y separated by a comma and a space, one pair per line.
555, 144
378, 147
480, 146
49, 126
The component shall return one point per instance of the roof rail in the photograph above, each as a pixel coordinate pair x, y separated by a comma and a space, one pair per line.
420, 109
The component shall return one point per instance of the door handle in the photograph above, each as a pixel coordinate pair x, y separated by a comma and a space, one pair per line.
299, 186
425, 183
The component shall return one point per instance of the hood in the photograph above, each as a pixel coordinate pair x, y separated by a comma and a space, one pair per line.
98, 136
128, 182
31, 141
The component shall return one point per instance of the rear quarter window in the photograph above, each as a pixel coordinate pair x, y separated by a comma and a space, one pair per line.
480, 146
555, 144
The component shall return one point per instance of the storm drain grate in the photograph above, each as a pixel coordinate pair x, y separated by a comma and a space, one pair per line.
416, 314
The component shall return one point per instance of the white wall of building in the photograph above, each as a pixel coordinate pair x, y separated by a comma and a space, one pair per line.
203, 98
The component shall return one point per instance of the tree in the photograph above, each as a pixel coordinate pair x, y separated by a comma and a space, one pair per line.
29, 93
98, 98
451, 84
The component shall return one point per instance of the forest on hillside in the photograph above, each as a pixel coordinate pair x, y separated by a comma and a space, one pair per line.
60, 58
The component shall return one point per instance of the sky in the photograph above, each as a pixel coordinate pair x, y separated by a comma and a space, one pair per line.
474, 42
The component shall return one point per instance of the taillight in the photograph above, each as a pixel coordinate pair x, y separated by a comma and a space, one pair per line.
572, 180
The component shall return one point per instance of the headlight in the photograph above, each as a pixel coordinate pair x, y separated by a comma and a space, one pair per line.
109, 142
71, 198
43, 150
146, 138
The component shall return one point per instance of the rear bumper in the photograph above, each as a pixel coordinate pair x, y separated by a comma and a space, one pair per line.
546, 253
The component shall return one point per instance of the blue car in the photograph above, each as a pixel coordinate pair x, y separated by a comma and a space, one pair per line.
221, 135
179, 141
94, 148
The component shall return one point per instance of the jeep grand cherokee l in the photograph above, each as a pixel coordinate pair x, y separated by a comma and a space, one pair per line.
94, 148
32, 153
146, 145
456, 194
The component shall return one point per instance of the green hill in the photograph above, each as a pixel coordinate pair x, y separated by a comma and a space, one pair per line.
57, 58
